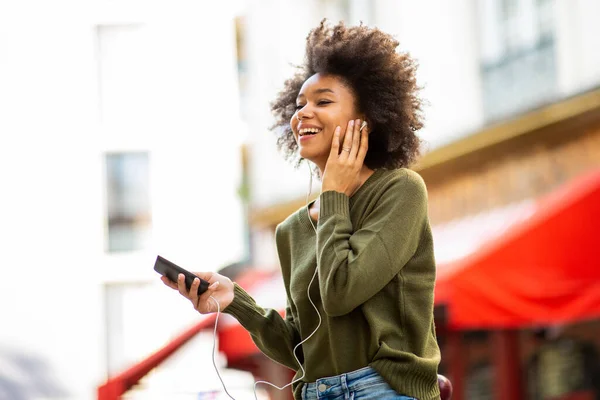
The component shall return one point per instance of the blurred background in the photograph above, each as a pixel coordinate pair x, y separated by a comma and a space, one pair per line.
131, 129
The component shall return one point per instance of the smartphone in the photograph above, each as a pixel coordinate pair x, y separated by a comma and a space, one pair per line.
172, 270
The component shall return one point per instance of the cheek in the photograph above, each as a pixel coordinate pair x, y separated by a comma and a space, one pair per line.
294, 126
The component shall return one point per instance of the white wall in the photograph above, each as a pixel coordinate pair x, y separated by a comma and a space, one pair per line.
50, 207
52, 176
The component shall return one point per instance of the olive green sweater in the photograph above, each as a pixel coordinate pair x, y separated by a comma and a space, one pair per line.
374, 288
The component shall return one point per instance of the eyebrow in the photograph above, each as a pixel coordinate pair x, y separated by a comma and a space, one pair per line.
318, 91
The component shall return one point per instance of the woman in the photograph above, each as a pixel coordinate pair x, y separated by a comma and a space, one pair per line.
357, 262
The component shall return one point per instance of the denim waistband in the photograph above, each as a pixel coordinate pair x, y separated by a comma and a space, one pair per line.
339, 384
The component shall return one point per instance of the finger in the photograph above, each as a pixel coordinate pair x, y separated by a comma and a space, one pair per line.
335, 143
168, 282
347, 145
210, 290
194, 292
207, 276
181, 285
355, 140
364, 145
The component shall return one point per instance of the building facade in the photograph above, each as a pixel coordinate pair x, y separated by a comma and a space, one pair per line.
117, 147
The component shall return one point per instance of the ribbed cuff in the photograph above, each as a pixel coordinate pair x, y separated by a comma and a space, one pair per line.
332, 203
242, 305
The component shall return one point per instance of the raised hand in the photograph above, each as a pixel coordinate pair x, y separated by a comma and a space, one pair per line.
342, 172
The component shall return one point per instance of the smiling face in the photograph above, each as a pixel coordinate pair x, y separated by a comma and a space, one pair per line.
324, 103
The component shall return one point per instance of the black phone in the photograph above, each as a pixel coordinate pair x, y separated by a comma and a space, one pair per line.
172, 270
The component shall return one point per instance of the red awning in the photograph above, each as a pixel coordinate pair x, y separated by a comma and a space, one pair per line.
544, 269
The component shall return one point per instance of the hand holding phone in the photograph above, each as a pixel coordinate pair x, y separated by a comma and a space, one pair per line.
215, 291
171, 271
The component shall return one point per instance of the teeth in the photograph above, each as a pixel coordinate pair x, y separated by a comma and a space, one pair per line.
309, 130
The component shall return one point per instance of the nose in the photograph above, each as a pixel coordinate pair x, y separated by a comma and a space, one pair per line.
303, 113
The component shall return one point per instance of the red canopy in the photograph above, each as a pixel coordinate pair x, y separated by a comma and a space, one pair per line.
543, 270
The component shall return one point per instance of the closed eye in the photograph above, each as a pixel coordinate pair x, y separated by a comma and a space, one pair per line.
320, 103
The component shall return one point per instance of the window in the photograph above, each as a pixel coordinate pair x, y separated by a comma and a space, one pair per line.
518, 64
128, 201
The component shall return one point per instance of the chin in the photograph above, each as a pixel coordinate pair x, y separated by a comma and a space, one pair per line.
312, 156
305, 155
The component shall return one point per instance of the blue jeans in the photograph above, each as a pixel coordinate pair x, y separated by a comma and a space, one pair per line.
362, 384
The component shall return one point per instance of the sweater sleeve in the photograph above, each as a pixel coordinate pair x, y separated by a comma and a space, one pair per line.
356, 264
273, 334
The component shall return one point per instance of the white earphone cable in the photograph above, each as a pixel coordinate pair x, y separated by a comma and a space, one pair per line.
295, 347
215, 347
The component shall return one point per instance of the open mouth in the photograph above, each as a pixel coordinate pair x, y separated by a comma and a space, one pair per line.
309, 131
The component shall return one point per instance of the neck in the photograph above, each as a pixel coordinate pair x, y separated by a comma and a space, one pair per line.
364, 174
